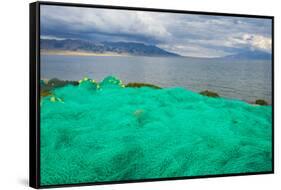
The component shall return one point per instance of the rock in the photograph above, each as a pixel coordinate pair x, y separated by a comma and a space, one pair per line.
209, 94
261, 102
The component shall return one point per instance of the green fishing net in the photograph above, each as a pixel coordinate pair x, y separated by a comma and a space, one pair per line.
98, 132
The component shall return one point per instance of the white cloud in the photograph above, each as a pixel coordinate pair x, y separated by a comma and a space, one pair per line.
258, 41
48, 37
194, 50
252, 41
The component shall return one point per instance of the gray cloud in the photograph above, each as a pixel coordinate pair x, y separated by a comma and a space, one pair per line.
186, 34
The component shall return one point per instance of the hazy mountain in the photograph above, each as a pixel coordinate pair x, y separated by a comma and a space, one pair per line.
255, 54
131, 48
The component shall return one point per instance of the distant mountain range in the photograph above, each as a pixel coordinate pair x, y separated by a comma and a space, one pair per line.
133, 48
130, 48
255, 54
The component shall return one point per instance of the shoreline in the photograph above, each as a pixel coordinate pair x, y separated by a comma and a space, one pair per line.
212, 94
79, 53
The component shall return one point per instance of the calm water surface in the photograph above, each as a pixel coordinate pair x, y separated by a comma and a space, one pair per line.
245, 80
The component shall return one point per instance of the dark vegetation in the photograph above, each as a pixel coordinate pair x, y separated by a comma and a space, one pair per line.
261, 102
209, 94
54, 83
47, 86
44, 93
138, 85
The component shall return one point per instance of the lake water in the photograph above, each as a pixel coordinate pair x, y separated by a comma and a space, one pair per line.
244, 80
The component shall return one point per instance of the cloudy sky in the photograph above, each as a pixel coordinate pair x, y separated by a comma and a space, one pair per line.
185, 34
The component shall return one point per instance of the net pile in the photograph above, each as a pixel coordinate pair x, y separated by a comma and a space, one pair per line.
96, 132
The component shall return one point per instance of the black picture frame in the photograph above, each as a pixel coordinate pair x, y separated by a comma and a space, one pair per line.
34, 91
